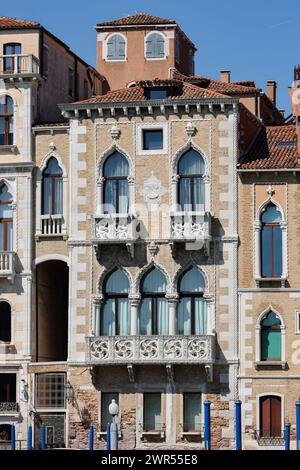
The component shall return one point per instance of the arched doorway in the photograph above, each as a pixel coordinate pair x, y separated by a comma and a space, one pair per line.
52, 295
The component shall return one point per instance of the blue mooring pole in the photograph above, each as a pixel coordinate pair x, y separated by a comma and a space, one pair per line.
287, 435
238, 425
43, 437
91, 443
207, 440
108, 437
29, 438
298, 424
13, 438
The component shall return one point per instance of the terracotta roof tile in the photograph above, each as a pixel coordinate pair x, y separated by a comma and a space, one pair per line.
274, 147
137, 19
12, 23
186, 91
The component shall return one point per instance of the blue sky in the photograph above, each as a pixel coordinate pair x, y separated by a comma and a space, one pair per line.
257, 40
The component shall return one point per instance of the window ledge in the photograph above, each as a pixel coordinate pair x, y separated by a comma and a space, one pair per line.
281, 279
102, 434
5, 148
191, 433
275, 364
150, 434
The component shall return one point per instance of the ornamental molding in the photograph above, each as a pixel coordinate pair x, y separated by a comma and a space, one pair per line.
107, 271
109, 151
152, 190
144, 270
47, 157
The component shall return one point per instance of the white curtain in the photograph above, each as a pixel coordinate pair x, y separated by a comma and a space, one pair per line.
108, 323
162, 317
124, 317
184, 316
145, 317
200, 317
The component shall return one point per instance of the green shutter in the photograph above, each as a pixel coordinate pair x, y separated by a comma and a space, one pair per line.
271, 345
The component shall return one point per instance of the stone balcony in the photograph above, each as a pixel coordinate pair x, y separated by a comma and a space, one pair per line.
7, 264
18, 66
114, 229
191, 227
193, 349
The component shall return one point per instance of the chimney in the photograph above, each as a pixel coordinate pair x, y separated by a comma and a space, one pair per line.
271, 90
225, 76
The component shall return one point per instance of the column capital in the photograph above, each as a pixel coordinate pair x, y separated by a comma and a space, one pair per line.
97, 299
134, 299
172, 297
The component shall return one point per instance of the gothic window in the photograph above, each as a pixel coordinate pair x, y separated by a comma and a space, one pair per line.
270, 337
271, 242
154, 318
115, 189
6, 219
191, 168
115, 314
6, 120
155, 46
192, 314
52, 188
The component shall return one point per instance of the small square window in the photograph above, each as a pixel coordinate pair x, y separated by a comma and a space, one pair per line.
157, 93
153, 139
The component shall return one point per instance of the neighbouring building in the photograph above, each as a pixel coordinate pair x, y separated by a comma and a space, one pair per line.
147, 250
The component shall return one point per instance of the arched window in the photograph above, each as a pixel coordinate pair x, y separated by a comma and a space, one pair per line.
12, 63
271, 242
6, 219
115, 314
154, 318
115, 189
155, 46
270, 337
191, 313
191, 168
6, 120
116, 47
5, 322
52, 188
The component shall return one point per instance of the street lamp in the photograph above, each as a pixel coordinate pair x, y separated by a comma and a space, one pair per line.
113, 411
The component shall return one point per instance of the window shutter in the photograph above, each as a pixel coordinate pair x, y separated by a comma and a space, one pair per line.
150, 47
120, 47
160, 43
111, 47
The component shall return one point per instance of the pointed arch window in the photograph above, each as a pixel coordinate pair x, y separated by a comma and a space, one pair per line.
6, 120
271, 242
154, 319
52, 188
115, 314
155, 46
191, 168
6, 219
5, 322
115, 189
271, 337
116, 47
192, 311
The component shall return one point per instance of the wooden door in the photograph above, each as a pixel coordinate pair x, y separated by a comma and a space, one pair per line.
270, 416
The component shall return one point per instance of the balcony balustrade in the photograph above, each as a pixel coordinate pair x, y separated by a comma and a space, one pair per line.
7, 264
192, 349
52, 225
18, 65
115, 229
9, 408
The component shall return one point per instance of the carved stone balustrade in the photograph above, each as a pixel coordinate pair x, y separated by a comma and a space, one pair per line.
150, 349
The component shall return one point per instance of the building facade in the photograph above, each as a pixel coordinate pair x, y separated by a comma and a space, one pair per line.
127, 269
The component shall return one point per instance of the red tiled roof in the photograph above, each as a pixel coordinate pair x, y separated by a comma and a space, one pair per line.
274, 147
12, 23
186, 91
230, 88
137, 19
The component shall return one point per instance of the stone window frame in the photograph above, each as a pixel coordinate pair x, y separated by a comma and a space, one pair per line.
140, 410
13, 145
105, 48
174, 175
166, 45
140, 127
193, 389
257, 244
258, 336
297, 321
39, 195
100, 178
119, 417
11, 186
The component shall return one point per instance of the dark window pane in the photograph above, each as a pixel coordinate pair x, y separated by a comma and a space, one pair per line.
277, 250
266, 251
7, 388
153, 139
271, 214
50, 390
157, 93
152, 412
5, 322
